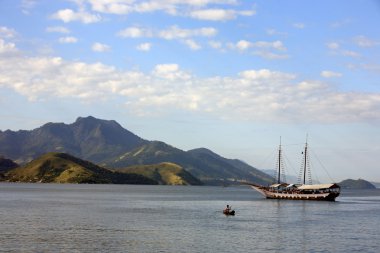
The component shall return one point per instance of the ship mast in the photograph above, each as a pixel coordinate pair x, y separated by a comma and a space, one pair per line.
304, 163
279, 164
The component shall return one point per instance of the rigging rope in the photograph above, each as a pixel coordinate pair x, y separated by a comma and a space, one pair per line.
323, 167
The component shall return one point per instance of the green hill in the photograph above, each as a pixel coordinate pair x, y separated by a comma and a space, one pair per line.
164, 173
64, 168
356, 184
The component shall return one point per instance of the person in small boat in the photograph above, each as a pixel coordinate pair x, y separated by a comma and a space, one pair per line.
228, 208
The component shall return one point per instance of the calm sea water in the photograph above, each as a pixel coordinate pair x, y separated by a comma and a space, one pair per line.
129, 218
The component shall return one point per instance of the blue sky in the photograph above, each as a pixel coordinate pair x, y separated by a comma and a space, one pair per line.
228, 75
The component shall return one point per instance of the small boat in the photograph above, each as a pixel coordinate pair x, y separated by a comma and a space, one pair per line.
229, 212
282, 190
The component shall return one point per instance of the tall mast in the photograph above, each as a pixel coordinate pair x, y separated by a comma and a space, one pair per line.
279, 164
304, 162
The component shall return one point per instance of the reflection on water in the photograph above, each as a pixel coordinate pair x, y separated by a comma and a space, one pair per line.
122, 218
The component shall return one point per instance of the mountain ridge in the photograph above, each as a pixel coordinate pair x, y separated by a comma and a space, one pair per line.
107, 143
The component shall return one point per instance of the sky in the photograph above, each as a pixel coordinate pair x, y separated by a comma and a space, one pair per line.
229, 75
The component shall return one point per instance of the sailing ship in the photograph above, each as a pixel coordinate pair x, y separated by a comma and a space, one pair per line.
282, 190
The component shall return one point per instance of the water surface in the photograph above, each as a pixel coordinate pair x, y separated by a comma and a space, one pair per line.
130, 218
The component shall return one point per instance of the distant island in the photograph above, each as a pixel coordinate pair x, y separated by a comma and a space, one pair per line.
356, 184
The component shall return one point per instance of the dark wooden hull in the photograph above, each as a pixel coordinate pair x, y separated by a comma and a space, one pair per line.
327, 196
229, 212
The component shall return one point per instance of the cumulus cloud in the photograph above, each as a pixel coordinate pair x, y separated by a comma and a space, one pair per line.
350, 53
186, 35
67, 40
99, 47
363, 41
299, 25
144, 47
7, 33
244, 45
254, 94
27, 5
218, 14
336, 49
119, 7
68, 15
170, 72
135, 32
192, 44
265, 49
333, 45
197, 9
215, 44
57, 29
7, 48
329, 74
175, 32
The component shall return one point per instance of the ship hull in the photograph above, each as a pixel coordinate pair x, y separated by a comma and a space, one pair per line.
328, 196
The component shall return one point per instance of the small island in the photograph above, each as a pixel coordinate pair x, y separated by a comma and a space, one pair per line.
356, 184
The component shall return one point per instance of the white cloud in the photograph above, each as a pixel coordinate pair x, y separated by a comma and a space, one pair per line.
254, 94
99, 47
329, 74
27, 5
144, 47
215, 44
333, 45
7, 33
243, 45
175, 32
135, 32
170, 72
363, 41
264, 49
190, 8
350, 53
340, 23
119, 7
213, 14
270, 55
278, 45
336, 50
67, 40
219, 14
57, 29
7, 48
192, 44
68, 15
299, 25
272, 32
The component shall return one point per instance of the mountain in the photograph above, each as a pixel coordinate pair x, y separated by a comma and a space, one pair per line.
232, 170
164, 173
204, 164
88, 138
356, 184
7, 164
288, 178
64, 168
106, 143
